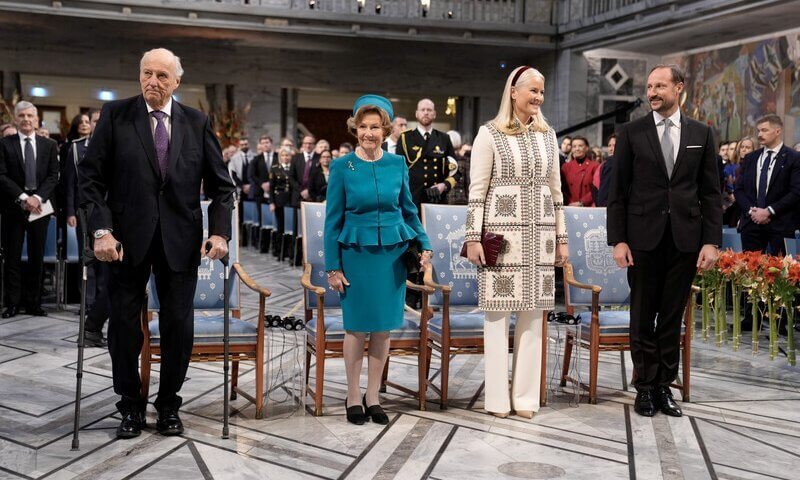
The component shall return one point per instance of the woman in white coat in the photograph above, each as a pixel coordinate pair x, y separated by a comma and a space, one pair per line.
516, 192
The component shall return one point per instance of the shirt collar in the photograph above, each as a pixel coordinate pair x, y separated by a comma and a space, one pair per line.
773, 150
167, 108
32, 136
422, 130
675, 118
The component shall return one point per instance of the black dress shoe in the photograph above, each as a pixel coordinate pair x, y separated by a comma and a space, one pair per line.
644, 404
169, 423
131, 425
666, 403
376, 413
36, 311
355, 414
94, 339
11, 311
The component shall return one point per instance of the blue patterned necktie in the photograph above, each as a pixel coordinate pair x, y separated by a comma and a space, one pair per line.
30, 166
162, 142
763, 181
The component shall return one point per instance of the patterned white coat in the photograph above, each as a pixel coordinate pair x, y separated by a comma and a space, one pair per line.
515, 191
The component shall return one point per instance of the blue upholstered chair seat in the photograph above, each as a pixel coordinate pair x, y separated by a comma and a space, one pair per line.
612, 322
468, 325
334, 329
209, 330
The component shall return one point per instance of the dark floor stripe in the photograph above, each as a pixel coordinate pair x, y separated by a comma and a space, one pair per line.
394, 464
629, 434
17, 474
440, 452
757, 440
201, 464
154, 461
369, 448
703, 449
750, 471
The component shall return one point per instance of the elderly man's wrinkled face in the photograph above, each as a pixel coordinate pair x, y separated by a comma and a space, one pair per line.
158, 78
27, 120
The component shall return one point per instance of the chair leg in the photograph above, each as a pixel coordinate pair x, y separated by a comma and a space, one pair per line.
422, 380
687, 370
445, 374
385, 375
567, 358
320, 371
145, 374
308, 365
234, 379
428, 356
594, 359
260, 385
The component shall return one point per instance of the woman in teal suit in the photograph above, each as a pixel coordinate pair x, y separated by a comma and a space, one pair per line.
370, 222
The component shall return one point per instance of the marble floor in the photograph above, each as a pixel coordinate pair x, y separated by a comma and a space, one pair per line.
743, 423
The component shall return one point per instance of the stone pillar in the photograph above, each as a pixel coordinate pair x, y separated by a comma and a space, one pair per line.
289, 113
569, 106
466, 118
263, 106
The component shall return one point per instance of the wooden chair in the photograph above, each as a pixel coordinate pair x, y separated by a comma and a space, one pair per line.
593, 280
324, 327
246, 339
455, 282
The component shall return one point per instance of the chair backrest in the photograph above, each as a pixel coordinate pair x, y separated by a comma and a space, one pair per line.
289, 226
210, 274
728, 230
445, 226
50, 243
73, 256
732, 240
314, 251
592, 259
267, 218
250, 213
790, 245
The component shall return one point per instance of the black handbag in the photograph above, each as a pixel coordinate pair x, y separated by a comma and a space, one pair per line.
411, 258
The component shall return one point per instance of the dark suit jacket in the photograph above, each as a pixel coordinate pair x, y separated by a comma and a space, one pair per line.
318, 185
642, 197
121, 164
783, 193
259, 173
12, 171
68, 154
605, 181
296, 177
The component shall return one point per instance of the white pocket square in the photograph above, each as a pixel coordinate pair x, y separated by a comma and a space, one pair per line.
694, 146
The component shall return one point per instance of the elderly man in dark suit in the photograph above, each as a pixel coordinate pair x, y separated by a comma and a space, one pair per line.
141, 176
665, 222
28, 178
768, 190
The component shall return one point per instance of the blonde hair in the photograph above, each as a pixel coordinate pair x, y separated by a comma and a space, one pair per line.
386, 123
734, 157
505, 120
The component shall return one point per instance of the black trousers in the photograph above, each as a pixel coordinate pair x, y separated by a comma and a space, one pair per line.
660, 281
175, 321
23, 286
98, 302
761, 238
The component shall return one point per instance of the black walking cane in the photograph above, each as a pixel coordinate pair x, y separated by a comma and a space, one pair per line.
87, 258
225, 338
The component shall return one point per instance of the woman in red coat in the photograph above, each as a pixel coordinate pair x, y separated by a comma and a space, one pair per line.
578, 173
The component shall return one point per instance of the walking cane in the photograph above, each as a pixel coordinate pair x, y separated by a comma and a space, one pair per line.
225, 339
87, 258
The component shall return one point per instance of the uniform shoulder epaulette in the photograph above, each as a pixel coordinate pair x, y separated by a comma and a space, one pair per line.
79, 139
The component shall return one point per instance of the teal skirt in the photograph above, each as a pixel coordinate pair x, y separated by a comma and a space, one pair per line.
375, 299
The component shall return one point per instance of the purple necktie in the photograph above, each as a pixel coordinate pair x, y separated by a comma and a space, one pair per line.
162, 142
306, 172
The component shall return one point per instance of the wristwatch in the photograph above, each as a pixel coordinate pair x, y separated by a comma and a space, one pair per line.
100, 233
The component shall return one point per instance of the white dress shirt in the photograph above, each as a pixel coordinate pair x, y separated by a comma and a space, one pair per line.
771, 164
167, 120
422, 131
391, 145
674, 130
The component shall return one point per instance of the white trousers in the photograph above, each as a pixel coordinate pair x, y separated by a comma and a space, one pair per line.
527, 361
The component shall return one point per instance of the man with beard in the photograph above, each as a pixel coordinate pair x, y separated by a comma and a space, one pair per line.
665, 222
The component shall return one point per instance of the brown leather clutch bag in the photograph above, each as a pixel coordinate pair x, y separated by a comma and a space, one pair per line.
492, 243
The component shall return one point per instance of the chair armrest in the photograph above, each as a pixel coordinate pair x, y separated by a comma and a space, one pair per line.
419, 288
569, 277
432, 284
305, 281
696, 289
251, 284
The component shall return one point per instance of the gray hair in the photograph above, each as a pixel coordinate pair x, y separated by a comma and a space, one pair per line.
178, 68
288, 150
23, 105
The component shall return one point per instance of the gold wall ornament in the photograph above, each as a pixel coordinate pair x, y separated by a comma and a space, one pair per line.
451, 106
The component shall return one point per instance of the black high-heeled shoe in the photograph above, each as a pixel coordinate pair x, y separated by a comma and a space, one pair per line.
376, 413
355, 414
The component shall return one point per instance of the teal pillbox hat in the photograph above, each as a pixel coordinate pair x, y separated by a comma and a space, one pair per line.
370, 99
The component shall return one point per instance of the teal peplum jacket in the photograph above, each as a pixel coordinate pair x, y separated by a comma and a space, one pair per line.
369, 203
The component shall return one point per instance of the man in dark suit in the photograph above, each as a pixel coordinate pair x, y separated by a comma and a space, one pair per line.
302, 164
260, 167
430, 157
141, 176
28, 179
768, 190
605, 173
664, 221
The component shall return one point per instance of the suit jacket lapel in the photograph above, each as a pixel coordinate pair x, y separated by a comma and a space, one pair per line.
144, 131
776, 170
176, 138
18, 149
682, 148
41, 159
655, 144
